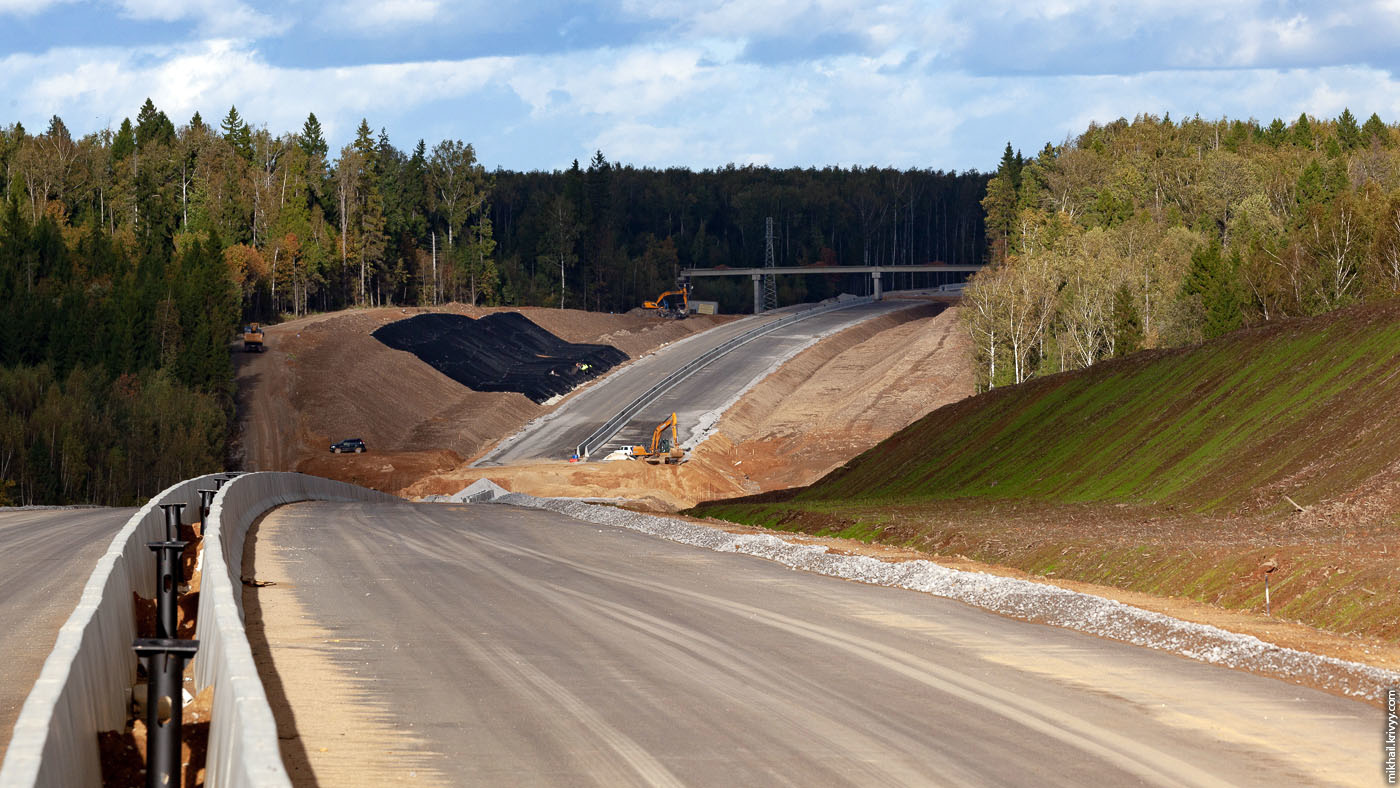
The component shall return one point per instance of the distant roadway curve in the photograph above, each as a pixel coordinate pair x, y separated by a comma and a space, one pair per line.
514, 646
555, 436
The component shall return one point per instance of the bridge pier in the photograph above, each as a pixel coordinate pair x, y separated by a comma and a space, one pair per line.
875, 277
757, 293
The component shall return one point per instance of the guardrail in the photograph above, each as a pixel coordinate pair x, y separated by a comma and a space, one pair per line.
84, 684
83, 687
616, 423
243, 748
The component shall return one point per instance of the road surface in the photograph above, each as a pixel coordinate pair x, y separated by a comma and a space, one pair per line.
715, 386
46, 556
484, 645
556, 437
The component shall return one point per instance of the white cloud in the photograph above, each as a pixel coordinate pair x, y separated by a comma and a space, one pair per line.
369, 15
24, 8
915, 99
214, 17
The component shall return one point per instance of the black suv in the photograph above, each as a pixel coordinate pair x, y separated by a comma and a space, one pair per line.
356, 445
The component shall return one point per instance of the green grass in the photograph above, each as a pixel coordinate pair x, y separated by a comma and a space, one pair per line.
1202, 428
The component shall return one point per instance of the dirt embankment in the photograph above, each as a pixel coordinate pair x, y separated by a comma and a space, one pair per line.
1199, 473
832, 401
324, 378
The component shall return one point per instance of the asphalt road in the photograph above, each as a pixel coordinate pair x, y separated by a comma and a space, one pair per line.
45, 559
556, 437
715, 386
522, 647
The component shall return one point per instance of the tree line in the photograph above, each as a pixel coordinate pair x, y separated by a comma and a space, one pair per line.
1155, 233
129, 256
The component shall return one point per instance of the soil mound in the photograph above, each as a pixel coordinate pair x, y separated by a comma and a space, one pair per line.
500, 352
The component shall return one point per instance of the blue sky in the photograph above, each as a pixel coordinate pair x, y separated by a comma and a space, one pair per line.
700, 83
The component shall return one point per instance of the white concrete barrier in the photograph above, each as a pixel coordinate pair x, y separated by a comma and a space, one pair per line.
82, 688
243, 749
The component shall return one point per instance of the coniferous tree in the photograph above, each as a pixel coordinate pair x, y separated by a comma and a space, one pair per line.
1348, 133
1374, 131
237, 133
1302, 134
312, 140
1127, 324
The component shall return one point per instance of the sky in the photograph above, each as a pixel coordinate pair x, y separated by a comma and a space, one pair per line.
536, 84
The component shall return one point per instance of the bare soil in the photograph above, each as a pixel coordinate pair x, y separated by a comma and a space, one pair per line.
830, 402
324, 378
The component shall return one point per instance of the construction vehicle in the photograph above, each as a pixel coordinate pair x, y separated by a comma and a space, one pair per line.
672, 303
664, 448
253, 338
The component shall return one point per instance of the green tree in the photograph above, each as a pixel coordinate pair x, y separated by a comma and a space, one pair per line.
1302, 134
1211, 279
1127, 324
237, 133
312, 140
1348, 133
1374, 131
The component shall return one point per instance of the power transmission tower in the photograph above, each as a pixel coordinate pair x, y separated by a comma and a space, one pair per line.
770, 285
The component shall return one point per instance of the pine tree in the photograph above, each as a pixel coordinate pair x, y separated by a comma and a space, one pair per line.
124, 142
311, 139
1375, 131
1213, 280
1302, 135
1348, 133
1127, 324
237, 133
153, 126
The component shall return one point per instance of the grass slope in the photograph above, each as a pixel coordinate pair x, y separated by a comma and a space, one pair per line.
1164, 473
1296, 408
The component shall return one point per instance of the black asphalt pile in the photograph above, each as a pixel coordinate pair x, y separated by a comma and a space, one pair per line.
500, 352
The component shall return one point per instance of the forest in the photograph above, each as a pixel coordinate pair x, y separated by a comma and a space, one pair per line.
1154, 233
129, 256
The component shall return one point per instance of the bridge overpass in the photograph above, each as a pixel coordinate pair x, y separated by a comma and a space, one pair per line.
875, 271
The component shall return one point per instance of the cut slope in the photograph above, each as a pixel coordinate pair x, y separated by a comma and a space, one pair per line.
1297, 408
325, 377
1168, 473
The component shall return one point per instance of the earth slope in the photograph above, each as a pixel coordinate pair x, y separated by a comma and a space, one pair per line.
1172, 472
324, 378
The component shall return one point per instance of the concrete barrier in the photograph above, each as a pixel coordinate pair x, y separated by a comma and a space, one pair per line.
243, 748
84, 684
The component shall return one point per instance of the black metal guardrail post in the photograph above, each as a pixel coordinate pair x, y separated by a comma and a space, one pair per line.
172, 520
206, 500
165, 660
168, 579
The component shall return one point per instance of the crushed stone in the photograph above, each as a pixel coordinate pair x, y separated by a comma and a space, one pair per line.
1013, 597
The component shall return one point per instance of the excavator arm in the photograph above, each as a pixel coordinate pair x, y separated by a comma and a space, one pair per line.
660, 449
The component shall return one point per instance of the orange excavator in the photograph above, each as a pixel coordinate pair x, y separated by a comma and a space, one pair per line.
664, 448
672, 303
